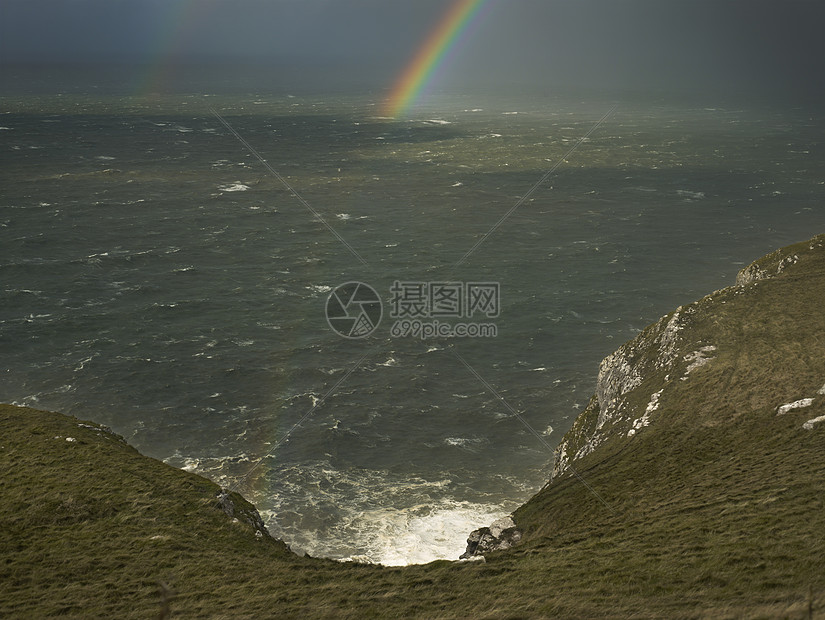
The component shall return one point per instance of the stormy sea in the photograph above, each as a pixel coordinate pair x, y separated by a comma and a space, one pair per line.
167, 264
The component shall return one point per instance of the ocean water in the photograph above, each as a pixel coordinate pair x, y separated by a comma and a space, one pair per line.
156, 277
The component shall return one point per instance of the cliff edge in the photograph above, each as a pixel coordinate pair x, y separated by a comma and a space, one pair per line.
739, 334
698, 464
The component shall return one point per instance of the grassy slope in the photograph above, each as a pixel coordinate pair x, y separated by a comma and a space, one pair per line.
715, 509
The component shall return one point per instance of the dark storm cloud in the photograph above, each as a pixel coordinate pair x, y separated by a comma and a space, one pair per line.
262, 29
719, 44
701, 43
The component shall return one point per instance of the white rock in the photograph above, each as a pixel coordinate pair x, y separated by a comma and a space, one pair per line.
653, 405
797, 404
697, 359
809, 425
70, 439
668, 339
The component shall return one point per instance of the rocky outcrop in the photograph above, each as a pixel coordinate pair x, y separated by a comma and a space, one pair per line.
634, 380
774, 263
237, 508
502, 534
626, 393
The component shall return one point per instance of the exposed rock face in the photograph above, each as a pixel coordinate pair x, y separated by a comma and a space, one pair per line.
768, 267
798, 404
241, 510
624, 387
773, 264
634, 381
809, 425
501, 534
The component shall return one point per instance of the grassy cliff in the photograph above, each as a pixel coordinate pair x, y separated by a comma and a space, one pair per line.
680, 491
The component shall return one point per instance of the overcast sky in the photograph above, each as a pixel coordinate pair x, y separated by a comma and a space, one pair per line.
707, 44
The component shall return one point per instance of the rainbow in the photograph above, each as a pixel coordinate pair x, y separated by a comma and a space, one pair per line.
441, 42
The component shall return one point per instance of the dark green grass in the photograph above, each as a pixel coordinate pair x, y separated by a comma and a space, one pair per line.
717, 509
